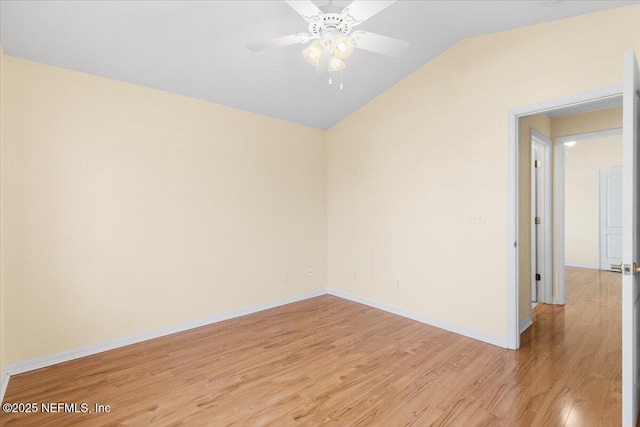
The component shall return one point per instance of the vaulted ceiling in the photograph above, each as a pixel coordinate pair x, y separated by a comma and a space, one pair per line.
198, 48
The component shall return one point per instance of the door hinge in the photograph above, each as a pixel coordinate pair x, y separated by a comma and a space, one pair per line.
538, 277
536, 163
537, 220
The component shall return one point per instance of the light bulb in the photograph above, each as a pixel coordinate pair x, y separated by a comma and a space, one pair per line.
342, 47
336, 64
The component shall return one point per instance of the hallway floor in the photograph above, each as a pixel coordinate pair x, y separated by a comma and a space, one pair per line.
570, 358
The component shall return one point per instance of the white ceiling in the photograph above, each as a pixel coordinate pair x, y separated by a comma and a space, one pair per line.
197, 48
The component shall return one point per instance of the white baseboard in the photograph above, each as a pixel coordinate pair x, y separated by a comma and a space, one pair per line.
525, 323
480, 336
65, 356
591, 266
4, 382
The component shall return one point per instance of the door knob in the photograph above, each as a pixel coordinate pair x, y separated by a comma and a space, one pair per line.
618, 268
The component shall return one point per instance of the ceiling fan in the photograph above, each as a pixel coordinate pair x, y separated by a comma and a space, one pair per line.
334, 40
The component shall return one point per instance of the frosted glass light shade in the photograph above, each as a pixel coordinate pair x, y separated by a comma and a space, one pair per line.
342, 47
312, 53
336, 64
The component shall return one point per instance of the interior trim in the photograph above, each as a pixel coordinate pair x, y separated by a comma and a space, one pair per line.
525, 323
65, 356
513, 156
480, 336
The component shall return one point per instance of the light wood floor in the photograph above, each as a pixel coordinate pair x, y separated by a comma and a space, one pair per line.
335, 362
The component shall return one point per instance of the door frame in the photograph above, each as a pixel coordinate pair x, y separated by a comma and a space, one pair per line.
513, 156
546, 294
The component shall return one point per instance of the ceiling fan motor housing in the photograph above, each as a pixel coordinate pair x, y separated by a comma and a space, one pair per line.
328, 26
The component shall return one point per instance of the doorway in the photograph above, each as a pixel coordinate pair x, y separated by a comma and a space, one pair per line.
544, 141
588, 101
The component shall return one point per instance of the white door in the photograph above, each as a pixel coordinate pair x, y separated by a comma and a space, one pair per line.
630, 241
610, 217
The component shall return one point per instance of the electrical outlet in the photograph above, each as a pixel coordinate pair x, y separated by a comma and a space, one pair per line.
286, 276
355, 274
310, 272
475, 218
397, 283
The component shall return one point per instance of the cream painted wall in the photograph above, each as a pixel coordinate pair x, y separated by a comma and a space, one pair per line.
406, 170
611, 118
582, 164
127, 209
542, 124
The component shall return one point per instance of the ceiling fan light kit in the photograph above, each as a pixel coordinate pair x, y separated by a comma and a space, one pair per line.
342, 47
332, 34
313, 53
335, 64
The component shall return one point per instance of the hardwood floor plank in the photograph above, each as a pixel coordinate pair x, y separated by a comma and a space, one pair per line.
328, 361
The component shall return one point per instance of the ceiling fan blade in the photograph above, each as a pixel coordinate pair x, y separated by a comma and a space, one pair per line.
306, 9
361, 10
379, 44
279, 42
